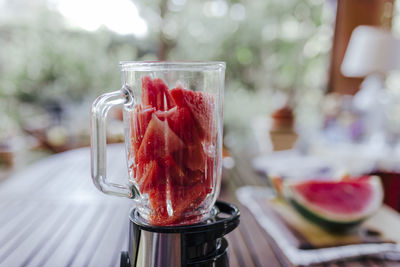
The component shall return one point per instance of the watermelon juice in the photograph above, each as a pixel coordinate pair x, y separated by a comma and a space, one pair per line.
173, 152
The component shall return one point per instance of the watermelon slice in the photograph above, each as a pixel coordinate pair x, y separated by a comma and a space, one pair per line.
155, 93
173, 172
177, 174
184, 198
181, 122
158, 203
194, 157
140, 120
160, 86
151, 97
336, 205
201, 105
158, 141
149, 175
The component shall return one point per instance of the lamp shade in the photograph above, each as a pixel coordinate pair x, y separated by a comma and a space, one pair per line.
371, 50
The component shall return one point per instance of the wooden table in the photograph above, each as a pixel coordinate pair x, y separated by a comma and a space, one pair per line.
52, 215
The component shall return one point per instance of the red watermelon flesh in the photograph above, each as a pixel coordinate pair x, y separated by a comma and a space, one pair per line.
158, 202
181, 122
173, 172
201, 105
155, 93
177, 174
194, 157
168, 133
184, 198
158, 141
151, 96
160, 86
337, 197
149, 175
140, 121
336, 204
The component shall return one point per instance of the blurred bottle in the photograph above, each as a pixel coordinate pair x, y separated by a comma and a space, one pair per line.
282, 132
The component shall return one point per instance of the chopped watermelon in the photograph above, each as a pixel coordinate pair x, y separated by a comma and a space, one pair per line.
184, 198
158, 141
201, 105
181, 122
169, 132
194, 157
151, 97
149, 175
158, 202
140, 119
177, 174
173, 172
160, 86
155, 93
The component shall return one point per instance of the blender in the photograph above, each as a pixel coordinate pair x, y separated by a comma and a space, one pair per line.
172, 113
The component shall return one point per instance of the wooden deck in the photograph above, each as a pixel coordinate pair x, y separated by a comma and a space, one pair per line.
52, 215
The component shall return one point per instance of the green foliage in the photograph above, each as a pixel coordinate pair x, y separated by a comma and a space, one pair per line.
266, 44
269, 46
51, 64
43, 62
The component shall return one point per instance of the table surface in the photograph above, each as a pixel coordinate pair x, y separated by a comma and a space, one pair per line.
52, 215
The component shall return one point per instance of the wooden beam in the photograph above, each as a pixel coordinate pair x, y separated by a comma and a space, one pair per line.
351, 14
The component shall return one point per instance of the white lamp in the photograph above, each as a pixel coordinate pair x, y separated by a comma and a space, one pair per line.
371, 51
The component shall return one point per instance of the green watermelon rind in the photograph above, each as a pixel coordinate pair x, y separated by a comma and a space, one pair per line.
338, 224
324, 222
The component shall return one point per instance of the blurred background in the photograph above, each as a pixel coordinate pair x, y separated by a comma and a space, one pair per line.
285, 83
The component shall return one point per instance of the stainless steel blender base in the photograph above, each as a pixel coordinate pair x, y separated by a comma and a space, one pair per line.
219, 259
200, 245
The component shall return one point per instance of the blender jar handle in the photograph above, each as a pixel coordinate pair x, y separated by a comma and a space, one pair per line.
99, 111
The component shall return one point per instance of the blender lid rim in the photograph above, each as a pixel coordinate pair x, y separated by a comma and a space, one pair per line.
216, 223
171, 65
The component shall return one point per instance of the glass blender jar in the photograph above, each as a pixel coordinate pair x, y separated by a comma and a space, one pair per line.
172, 113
